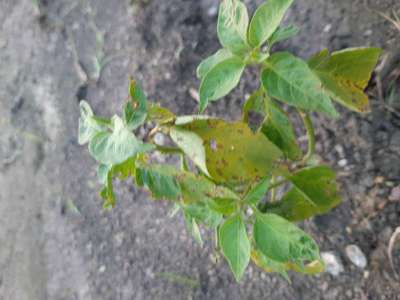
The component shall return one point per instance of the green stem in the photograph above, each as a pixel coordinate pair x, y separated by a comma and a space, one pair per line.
168, 150
263, 206
273, 189
310, 135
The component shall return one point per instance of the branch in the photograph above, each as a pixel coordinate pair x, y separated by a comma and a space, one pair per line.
310, 135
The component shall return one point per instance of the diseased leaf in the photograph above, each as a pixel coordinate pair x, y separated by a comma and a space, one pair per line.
290, 80
208, 63
283, 33
89, 124
220, 80
135, 112
160, 114
160, 180
116, 147
266, 20
314, 192
345, 75
312, 268
282, 241
235, 245
279, 130
269, 265
233, 152
257, 192
233, 20
192, 146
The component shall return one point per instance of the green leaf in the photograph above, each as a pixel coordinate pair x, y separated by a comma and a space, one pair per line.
345, 75
314, 192
266, 20
89, 125
220, 80
135, 112
257, 192
196, 188
207, 64
125, 169
107, 173
233, 152
254, 111
102, 173
233, 20
290, 80
283, 241
116, 147
235, 245
108, 192
225, 206
192, 146
202, 213
193, 228
183, 120
283, 33
279, 130
160, 180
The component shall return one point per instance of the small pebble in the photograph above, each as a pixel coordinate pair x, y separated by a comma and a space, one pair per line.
356, 256
159, 138
212, 11
395, 194
334, 265
342, 162
102, 269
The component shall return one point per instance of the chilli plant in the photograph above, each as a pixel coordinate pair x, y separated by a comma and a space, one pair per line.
248, 180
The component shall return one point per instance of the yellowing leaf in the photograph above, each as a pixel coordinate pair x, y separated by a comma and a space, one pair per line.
233, 152
345, 75
269, 265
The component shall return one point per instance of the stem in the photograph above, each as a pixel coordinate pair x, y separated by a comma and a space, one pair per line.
277, 183
310, 135
168, 150
273, 190
263, 206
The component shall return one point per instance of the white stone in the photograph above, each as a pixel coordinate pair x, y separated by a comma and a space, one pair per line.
356, 256
334, 265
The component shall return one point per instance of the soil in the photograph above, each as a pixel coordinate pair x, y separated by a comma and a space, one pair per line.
57, 243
